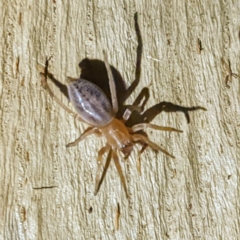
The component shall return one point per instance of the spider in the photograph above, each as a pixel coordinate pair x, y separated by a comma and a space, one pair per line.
94, 108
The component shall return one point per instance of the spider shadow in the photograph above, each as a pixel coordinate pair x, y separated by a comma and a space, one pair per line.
94, 70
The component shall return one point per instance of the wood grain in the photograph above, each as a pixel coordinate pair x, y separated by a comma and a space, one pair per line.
47, 190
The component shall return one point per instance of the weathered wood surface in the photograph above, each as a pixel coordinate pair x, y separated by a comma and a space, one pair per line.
195, 196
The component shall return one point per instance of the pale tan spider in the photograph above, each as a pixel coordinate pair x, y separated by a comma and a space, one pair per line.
94, 108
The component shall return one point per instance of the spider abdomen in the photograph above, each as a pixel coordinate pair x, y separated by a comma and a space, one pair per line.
90, 102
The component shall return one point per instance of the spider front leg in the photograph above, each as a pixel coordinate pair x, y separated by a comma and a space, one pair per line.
143, 126
99, 176
120, 172
145, 140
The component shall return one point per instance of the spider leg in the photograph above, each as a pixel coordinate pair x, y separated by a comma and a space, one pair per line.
143, 126
119, 169
87, 132
99, 177
50, 92
141, 138
111, 84
129, 111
